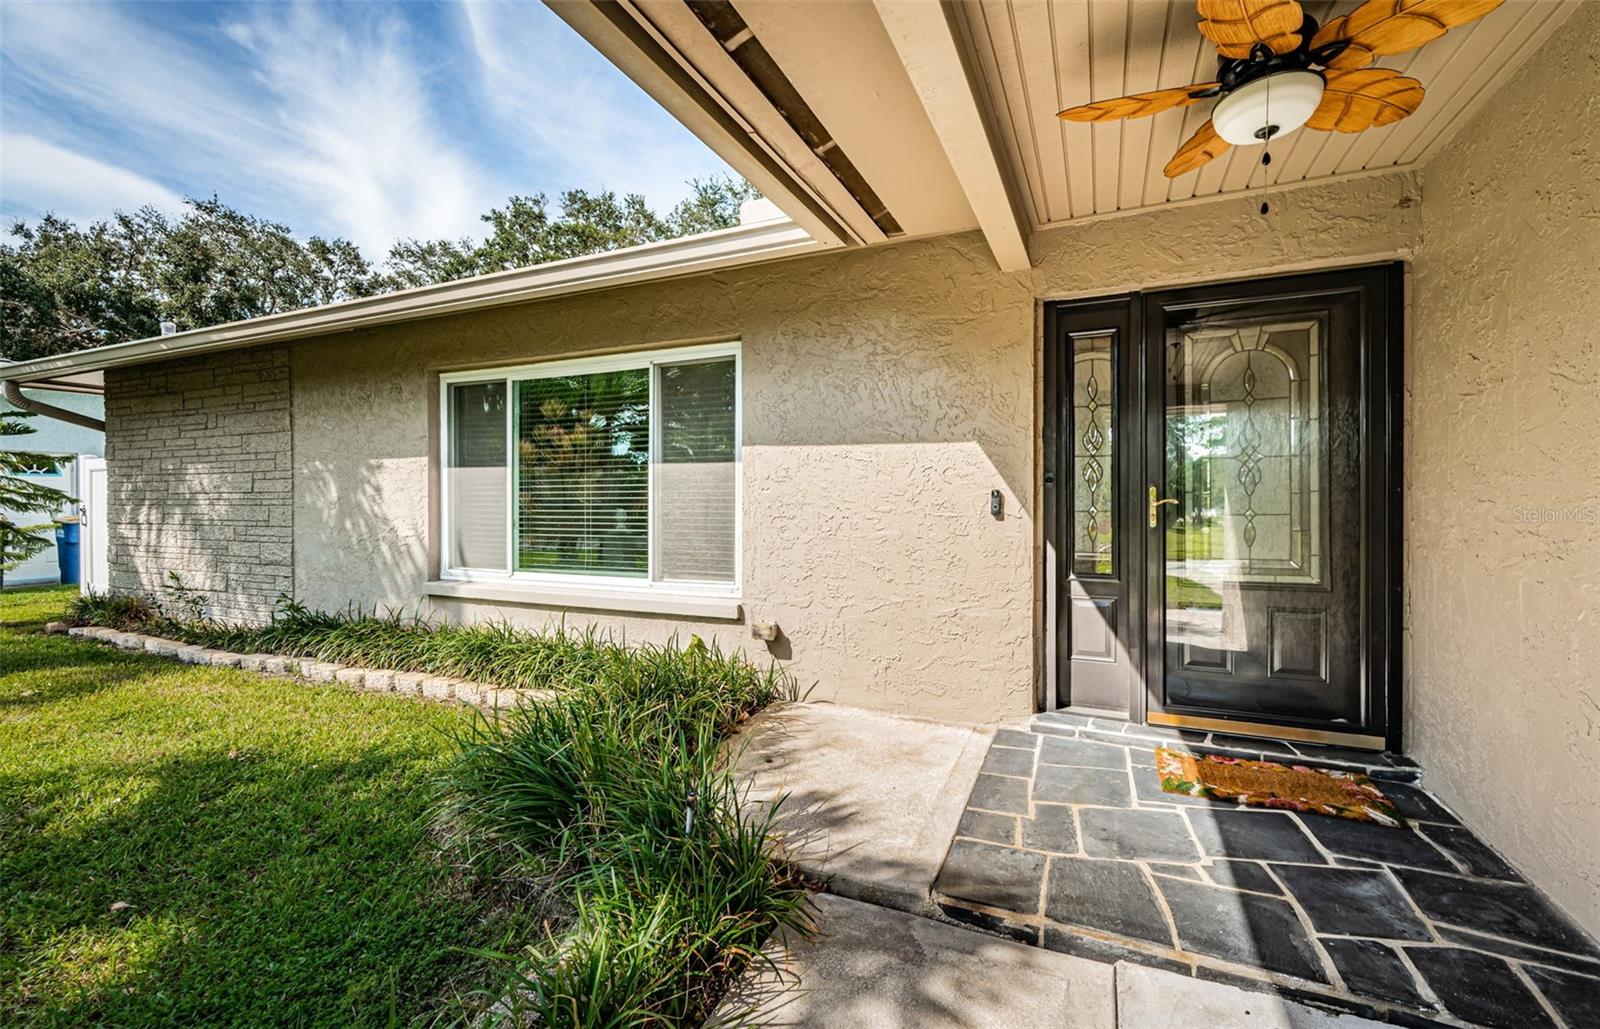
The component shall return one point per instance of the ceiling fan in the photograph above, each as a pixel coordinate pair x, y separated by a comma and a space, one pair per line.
1279, 70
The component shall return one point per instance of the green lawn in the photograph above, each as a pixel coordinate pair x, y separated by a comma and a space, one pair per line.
270, 839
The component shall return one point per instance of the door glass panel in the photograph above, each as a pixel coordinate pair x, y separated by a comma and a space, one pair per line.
1246, 456
1093, 452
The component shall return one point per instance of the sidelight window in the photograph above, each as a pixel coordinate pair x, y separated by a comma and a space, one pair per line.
1094, 463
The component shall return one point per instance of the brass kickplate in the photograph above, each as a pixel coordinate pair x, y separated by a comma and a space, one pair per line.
1354, 740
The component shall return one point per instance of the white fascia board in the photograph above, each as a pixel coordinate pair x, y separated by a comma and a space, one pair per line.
725, 248
929, 49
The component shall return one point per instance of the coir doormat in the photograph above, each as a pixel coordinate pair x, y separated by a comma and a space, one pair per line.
1269, 784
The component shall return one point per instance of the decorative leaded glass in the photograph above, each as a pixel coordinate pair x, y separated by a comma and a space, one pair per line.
1093, 452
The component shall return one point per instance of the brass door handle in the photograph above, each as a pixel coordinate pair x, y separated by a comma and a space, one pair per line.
1155, 505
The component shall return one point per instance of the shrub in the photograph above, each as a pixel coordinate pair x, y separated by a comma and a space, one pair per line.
114, 611
492, 653
616, 793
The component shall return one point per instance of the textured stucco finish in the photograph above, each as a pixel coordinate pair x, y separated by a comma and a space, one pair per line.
1503, 472
886, 393
198, 479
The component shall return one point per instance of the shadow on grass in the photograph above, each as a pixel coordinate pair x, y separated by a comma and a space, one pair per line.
26, 609
266, 884
39, 669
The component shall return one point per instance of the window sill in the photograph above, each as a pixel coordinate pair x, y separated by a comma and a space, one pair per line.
656, 602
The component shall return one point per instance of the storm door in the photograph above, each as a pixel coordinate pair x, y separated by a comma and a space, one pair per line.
1255, 509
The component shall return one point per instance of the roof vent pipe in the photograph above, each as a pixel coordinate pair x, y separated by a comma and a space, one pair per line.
169, 328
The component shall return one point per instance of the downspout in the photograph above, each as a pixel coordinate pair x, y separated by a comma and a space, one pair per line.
13, 395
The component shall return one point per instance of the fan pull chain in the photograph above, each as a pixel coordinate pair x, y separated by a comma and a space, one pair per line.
1266, 149
1266, 159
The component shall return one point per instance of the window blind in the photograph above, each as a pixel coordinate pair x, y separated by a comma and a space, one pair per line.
478, 475
695, 474
582, 472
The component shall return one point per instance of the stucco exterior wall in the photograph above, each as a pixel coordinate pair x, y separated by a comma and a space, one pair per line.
198, 479
1503, 472
885, 394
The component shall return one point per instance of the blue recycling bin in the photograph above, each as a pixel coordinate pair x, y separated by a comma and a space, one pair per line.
67, 552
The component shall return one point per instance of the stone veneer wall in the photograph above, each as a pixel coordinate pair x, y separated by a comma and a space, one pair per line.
199, 458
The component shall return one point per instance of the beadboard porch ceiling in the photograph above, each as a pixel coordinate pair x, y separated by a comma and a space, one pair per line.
1034, 57
869, 120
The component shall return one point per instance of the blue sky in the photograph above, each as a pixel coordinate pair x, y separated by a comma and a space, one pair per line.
372, 121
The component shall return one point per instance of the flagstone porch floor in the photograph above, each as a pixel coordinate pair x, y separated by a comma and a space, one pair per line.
1068, 842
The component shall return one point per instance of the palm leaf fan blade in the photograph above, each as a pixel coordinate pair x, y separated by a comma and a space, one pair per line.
1235, 27
1366, 98
1140, 105
1205, 145
1380, 28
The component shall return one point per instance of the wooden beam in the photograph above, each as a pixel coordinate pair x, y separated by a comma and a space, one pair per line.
931, 52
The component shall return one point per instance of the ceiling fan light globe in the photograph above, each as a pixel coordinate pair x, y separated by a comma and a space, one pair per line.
1268, 107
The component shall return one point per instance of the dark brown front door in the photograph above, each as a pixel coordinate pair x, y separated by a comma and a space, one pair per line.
1243, 579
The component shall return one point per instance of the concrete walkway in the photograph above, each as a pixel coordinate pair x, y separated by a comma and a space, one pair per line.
870, 801
870, 806
870, 967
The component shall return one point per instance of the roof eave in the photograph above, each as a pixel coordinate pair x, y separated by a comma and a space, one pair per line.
725, 248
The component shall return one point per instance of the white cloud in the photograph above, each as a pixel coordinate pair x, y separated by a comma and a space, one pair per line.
331, 114
571, 111
371, 121
358, 127
38, 177
97, 61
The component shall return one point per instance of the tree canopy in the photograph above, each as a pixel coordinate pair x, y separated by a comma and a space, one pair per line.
65, 288
524, 232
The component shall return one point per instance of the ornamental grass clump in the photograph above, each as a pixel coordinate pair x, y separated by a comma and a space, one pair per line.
616, 795
612, 798
113, 611
495, 653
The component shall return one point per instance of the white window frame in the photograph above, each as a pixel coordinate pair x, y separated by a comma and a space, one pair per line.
570, 582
